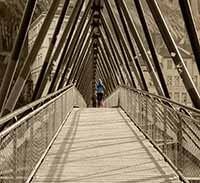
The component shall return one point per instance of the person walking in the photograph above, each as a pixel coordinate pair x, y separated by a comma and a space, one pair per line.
100, 92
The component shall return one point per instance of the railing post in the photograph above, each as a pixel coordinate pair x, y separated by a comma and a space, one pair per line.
31, 143
74, 97
146, 114
140, 109
154, 118
62, 111
131, 105
128, 103
54, 117
46, 125
165, 131
134, 106
25, 154
14, 155
119, 97
66, 102
180, 143
126, 98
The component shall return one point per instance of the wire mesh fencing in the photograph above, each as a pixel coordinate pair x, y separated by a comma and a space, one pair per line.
23, 143
172, 127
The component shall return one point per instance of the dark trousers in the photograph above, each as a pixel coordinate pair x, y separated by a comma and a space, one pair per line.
99, 96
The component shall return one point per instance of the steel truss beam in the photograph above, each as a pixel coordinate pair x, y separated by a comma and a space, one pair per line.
137, 65
78, 61
113, 46
87, 75
143, 84
125, 46
16, 52
191, 29
107, 76
107, 63
84, 68
111, 54
83, 64
74, 51
174, 52
121, 42
67, 47
141, 47
110, 58
25, 70
48, 63
140, 11
106, 71
116, 60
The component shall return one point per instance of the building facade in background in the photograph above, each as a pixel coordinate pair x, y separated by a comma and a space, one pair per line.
173, 80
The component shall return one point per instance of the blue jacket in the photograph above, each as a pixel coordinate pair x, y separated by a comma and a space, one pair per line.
100, 88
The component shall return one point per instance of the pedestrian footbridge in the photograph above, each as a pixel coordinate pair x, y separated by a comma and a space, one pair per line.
136, 137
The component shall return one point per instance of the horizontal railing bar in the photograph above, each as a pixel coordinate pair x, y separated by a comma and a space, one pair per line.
179, 173
23, 109
193, 178
175, 124
46, 151
21, 121
162, 98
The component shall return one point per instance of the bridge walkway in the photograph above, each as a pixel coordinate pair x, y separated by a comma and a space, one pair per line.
102, 145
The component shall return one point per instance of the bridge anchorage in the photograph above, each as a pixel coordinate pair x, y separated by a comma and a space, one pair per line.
142, 134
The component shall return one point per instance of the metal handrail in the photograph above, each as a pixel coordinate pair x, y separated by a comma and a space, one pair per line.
162, 98
24, 144
15, 125
31, 105
163, 120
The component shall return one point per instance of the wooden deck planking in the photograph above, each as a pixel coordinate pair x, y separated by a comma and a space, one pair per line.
102, 145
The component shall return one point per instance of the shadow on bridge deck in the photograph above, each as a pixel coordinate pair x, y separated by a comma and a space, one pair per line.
102, 145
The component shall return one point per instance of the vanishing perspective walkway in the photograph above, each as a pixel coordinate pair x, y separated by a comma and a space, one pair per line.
103, 145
